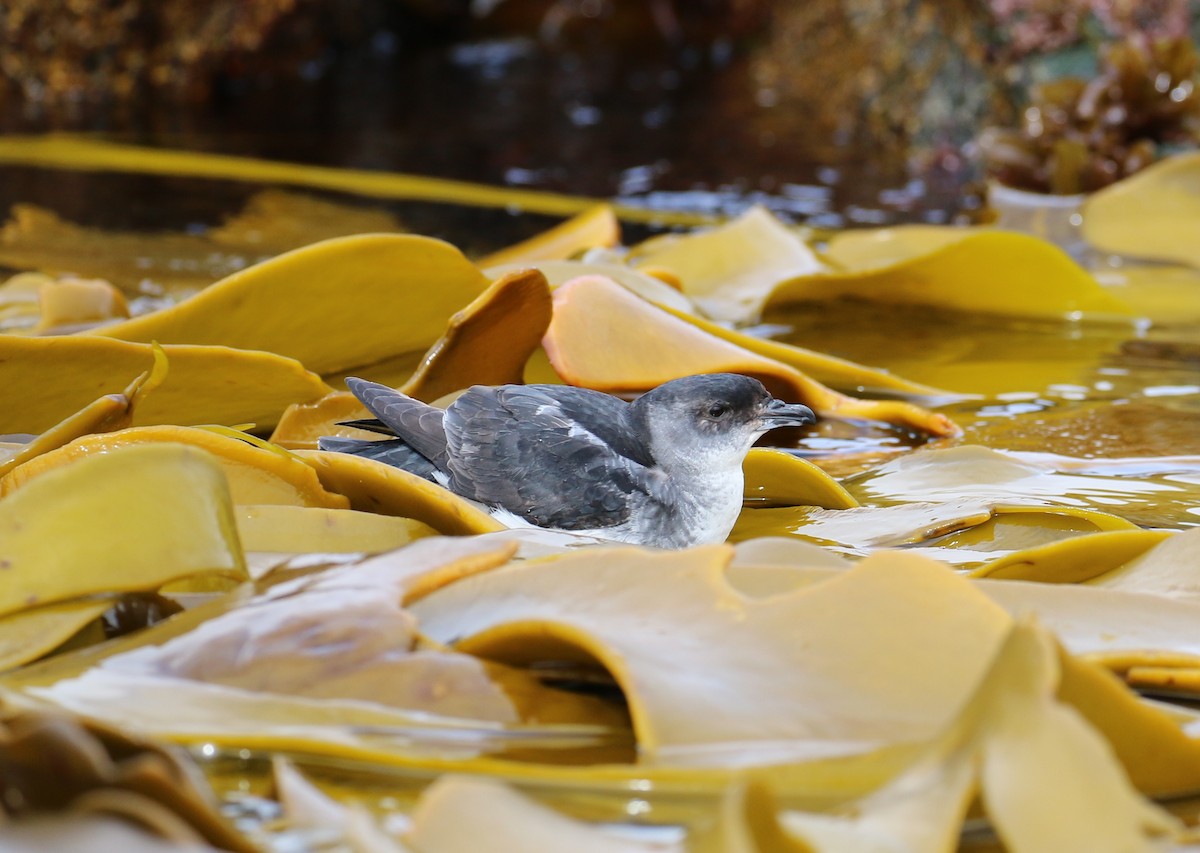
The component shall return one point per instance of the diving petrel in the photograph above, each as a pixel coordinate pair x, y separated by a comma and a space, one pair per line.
664, 470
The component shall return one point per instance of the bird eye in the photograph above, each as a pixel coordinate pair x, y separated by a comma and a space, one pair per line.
717, 410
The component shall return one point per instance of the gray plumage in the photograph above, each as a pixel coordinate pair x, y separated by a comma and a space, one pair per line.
663, 470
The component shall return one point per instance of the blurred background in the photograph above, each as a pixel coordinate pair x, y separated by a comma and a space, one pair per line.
830, 112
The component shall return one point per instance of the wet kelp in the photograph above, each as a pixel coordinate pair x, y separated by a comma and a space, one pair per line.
917, 619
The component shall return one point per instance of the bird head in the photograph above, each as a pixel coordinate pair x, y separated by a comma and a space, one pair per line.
711, 421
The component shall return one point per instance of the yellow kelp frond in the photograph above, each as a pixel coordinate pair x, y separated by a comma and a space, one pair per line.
489, 341
256, 475
998, 272
604, 337
333, 305
1152, 214
134, 518
596, 227
45, 380
110, 412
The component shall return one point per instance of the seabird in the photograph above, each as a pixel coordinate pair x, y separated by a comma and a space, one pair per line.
664, 470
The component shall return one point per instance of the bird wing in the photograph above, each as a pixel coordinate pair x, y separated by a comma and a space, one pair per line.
534, 450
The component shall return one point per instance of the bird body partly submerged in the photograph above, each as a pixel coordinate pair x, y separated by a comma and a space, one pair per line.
664, 470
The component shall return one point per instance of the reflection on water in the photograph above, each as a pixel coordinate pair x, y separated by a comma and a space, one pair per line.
1099, 415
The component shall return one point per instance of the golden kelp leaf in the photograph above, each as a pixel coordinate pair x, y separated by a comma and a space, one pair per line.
489, 341
998, 272
19, 302
276, 221
645, 286
306, 805
776, 478
770, 565
788, 678
505, 821
34, 238
1180, 681
959, 532
28, 634
340, 635
1114, 628
56, 764
173, 266
69, 303
1151, 743
1074, 560
84, 832
1030, 741
1171, 568
284, 529
44, 380
604, 337
1151, 214
861, 249
1164, 294
1020, 699
333, 305
747, 820
256, 475
729, 271
822, 367
375, 487
596, 227
134, 518
199, 713
975, 472
112, 411
303, 423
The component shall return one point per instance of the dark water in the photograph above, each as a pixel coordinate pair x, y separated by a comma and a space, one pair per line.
685, 127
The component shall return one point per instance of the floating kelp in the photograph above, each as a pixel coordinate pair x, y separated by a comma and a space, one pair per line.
728, 271
489, 341
375, 487
796, 647
303, 423
316, 654
29, 634
110, 412
603, 337
961, 531
507, 822
996, 272
877, 695
283, 529
257, 474
1166, 568
76, 771
824, 368
154, 270
594, 228
1074, 560
774, 478
337, 295
1152, 214
132, 519
499, 615
646, 286
71, 304
974, 472
46, 380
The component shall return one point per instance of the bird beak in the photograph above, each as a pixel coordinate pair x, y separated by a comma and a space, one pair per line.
781, 414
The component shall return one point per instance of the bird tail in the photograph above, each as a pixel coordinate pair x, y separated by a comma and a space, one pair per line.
418, 424
394, 452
